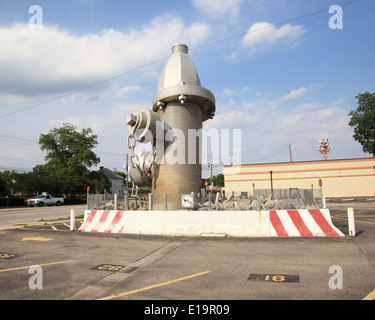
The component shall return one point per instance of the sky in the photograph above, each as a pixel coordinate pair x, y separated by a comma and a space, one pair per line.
282, 72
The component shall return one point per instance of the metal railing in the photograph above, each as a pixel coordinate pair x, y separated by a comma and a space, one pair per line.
295, 197
258, 199
114, 202
95, 201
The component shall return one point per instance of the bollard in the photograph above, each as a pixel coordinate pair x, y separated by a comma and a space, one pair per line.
209, 200
324, 203
126, 200
72, 220
351, 225
165, 202
217, 197
116, 201
150, 201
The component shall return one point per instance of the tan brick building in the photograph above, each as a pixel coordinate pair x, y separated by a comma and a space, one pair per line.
340, 178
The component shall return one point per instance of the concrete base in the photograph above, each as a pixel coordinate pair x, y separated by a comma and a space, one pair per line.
274, 223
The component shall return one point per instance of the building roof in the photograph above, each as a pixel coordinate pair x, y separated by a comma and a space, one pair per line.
301, 162
110, 174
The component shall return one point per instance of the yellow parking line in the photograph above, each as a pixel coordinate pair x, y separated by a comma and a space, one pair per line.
356, 220
154, 286
339, 214
53, 227
342, 215
44, 264
15, 209
370, 296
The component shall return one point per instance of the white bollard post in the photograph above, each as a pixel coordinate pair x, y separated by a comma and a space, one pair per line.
72, 220
351, 225
116, 202
150, 201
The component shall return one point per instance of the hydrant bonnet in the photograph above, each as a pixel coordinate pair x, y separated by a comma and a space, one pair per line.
179, 81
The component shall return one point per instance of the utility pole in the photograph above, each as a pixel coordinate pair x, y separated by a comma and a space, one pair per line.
211, 169
271, 185
290, 153
126, 179
212, 183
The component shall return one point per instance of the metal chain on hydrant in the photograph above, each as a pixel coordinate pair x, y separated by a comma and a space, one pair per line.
134, 159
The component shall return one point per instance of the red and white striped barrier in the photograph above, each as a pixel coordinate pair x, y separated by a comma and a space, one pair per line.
309, 205
274, 223
302, 223
103, 221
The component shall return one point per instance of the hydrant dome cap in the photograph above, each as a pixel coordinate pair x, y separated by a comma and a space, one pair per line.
179, 78
179, 69
180, 47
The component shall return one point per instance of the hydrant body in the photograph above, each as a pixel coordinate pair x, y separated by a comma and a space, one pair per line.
182, 105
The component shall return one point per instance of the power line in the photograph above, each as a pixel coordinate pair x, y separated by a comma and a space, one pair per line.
84, 88
19, 142
270, 156
162, 59
15, 169
17, 138
268, 26
17, 159
34, 143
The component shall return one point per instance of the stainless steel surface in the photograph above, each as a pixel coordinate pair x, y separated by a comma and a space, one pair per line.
140, 168
179, 77
182, 104
177, 173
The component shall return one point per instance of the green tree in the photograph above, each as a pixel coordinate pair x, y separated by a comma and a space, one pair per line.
69, 152
69, 157
3, 187
98, 182
363, 121
218, 180
24, 184
9, 179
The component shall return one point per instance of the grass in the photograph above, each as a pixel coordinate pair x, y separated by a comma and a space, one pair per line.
59, 219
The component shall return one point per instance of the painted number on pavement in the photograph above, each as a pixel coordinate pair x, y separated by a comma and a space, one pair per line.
108, 267
7, 256
274, 277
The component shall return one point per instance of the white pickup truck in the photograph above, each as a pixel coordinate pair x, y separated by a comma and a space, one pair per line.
44, 199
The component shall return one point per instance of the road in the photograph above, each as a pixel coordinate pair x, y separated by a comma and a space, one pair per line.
26, 216
81, 266
364, 215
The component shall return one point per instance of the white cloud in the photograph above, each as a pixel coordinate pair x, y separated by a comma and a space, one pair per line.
219, 8
42, 64
294, 94
35, 62
126, 89
268, 128
101, 119
228, 92
195, 33
263, 36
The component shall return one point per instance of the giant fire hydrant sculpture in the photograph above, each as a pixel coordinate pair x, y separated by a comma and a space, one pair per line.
174, 125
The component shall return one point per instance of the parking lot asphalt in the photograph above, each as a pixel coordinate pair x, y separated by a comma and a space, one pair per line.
21, 216
83, 266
